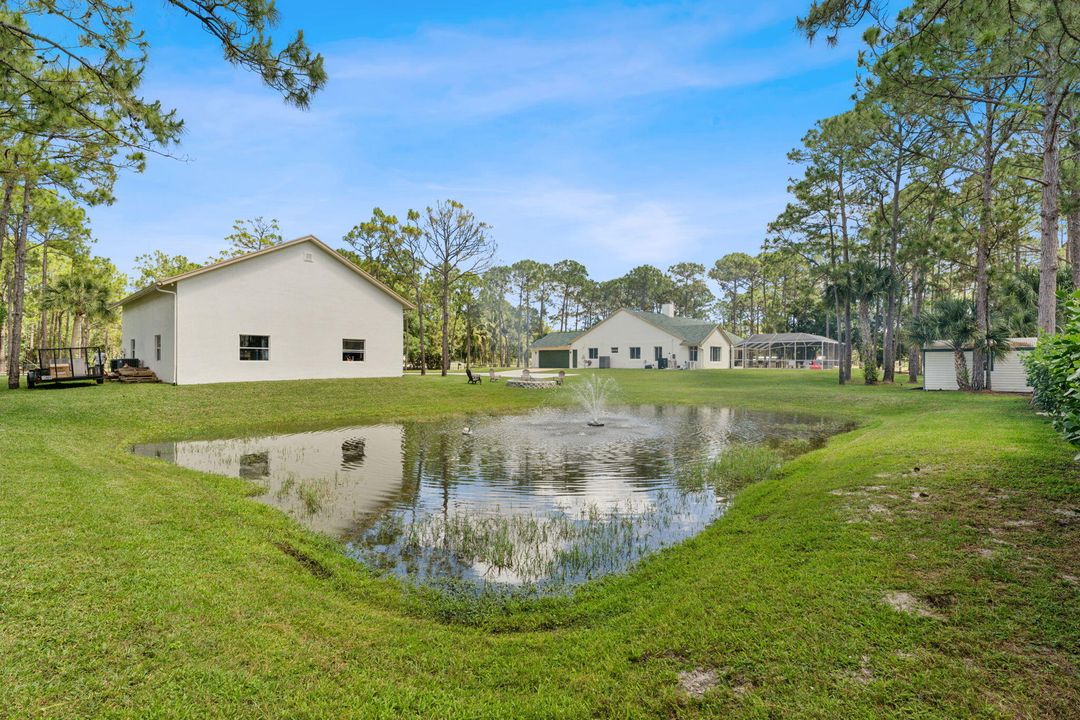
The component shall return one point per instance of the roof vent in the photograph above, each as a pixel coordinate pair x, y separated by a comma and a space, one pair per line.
309, 257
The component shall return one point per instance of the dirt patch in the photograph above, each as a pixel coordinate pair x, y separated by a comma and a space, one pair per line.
985, 553
907, 603
309, 563
864, 674
698, 681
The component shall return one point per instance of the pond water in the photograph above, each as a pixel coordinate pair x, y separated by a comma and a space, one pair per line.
537, 502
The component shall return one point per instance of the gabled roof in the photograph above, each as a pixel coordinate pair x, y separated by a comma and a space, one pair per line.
266, 251
690, 330
556, 340
766, 339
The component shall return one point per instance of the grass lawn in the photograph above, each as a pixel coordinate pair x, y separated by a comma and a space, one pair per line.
129, 587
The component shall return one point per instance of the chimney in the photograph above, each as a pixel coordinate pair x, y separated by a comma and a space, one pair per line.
668, 309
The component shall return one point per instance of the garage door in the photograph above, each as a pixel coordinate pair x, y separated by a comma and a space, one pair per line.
554, 359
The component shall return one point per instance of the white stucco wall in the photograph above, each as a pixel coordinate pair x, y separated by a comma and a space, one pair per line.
141, 321
306, 308
623, 330
1008, 375
716, 339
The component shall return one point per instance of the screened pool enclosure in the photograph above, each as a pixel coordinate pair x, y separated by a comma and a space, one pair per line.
787, 350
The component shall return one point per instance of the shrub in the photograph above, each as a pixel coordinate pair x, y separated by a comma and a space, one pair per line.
1053, 370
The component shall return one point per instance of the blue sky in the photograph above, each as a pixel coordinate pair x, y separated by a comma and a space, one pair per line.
611, 133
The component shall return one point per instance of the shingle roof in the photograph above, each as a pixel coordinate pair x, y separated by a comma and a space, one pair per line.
689, 330
555, 340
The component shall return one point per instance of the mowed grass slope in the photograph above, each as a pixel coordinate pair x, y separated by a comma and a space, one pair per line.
129, 587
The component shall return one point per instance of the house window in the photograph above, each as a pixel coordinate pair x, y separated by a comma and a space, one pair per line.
658, 353
157, 348
254, 347
614, 351
594, 353
635, 353
132, 355
716, 353
352, 350
693, 353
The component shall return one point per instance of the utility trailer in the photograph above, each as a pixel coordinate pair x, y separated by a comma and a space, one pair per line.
70, 364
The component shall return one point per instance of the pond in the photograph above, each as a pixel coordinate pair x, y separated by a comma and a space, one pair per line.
538, 502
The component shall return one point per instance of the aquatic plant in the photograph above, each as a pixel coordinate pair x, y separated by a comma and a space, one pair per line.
740, 465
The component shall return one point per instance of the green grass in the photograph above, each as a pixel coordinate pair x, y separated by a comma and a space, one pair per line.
132, 588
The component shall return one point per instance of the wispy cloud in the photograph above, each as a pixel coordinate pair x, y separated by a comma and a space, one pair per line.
589, 57
616, 135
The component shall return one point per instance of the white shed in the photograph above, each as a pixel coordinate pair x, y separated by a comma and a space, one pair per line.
297, 310
1006, 375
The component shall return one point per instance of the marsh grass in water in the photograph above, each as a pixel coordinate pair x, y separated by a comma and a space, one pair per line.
524, 554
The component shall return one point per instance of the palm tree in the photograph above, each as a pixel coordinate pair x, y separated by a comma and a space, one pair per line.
952, 321
86, 297
868, 282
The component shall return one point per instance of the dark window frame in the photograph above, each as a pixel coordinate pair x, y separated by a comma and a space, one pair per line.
635, 353
252, 346
353, 354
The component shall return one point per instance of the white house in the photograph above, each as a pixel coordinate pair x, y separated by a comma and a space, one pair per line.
1006, 375
638, 339
292, 311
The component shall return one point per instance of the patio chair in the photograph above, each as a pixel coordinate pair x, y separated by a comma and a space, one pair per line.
492, 377
473, 379
562, 376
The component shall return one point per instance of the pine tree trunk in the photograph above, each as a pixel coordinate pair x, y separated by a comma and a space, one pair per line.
43, 330
981, 368
889, 341
914, 351
18, 293
1049, 212
420, 322
445, 322
1074, 245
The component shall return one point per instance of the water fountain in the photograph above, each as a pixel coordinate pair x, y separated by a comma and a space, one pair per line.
592, 394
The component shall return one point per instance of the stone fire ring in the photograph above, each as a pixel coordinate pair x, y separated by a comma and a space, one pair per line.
531, 384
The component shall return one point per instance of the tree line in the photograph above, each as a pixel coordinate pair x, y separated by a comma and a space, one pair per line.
72, 117
943, 205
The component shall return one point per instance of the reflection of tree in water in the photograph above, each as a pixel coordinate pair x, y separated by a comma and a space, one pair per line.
352, 453
255, 465
471, 500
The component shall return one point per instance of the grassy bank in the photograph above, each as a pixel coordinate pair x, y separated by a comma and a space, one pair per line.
923, 565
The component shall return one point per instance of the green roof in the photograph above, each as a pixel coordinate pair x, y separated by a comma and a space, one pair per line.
689, 330
555, 340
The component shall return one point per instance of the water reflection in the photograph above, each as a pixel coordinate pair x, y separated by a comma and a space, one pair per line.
539, 499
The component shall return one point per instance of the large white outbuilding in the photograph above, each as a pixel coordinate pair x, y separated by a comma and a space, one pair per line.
638, 339
1006, 375
297, 310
